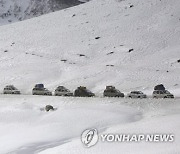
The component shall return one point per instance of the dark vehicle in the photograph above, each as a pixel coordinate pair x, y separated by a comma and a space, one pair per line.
62, 91
83, 92
40, 90
10, 89
111, 91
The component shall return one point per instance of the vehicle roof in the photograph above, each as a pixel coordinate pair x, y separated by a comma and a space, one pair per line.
62, 87
10, 86
136, 91
81, 87
160, 90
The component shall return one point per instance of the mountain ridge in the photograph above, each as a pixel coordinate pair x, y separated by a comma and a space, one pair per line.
13, 11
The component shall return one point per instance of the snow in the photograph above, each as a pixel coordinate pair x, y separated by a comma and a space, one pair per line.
32, 52
27, 128
24, 119
41, 43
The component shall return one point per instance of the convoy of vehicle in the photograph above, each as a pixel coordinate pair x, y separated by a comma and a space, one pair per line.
110, 91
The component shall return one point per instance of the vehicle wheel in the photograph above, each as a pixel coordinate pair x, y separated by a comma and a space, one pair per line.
130, 97
45, 94
139, 96
165, 96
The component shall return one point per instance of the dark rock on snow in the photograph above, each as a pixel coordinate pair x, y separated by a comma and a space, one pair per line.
49, 107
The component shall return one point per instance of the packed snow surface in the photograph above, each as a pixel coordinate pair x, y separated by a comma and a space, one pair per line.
130, 44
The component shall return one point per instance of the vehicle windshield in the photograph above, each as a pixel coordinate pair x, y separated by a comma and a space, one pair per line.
88, 91
167, 92
67, 90
117, 91
13, 88
63, 89
137, 92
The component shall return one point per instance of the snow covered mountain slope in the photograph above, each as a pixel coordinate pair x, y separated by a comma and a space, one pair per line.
89, 45
12, 11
